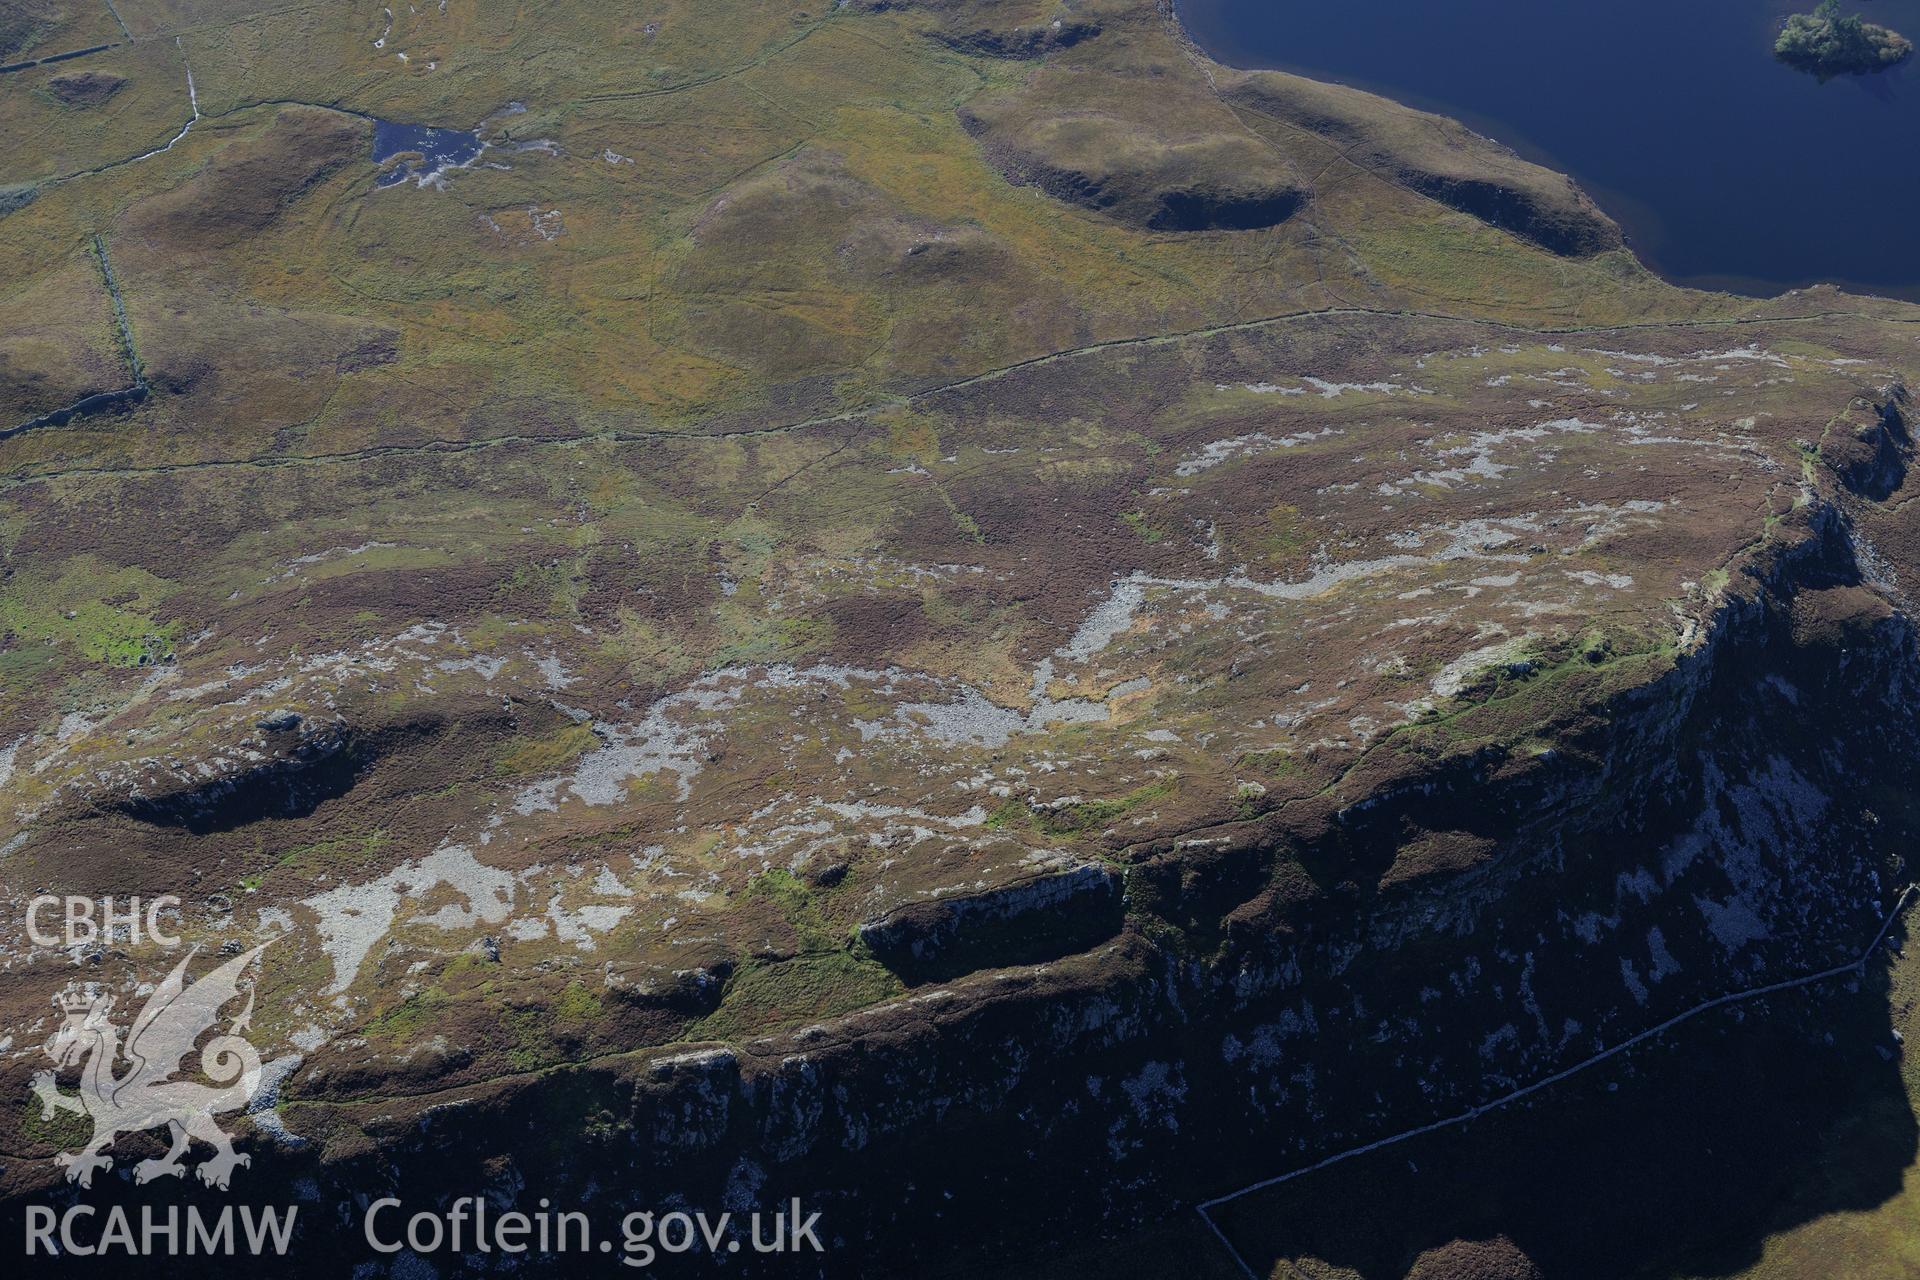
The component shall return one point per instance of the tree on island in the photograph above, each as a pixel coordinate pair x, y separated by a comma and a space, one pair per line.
1828, 43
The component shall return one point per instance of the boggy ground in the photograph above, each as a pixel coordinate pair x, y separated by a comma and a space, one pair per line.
835, 509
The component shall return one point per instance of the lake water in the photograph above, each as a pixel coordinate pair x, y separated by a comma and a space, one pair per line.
442, 148
1726, 168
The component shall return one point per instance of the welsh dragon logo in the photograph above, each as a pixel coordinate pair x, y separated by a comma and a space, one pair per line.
146, 1096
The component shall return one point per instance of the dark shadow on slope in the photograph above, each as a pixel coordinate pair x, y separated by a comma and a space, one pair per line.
1681, 1160
309, 773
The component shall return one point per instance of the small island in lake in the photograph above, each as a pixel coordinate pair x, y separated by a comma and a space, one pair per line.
1828, 43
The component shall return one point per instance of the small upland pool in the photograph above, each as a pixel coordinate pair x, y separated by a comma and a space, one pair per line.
440, 149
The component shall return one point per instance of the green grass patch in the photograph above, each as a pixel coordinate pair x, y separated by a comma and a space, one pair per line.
101, 614
1277, 763
63, 1131
793, 898
408, 1019
340, 853
1137, 521
1079, 818
546, 753
577, 1003
804, 989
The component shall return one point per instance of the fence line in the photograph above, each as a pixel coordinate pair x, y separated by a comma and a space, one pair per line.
1857, 965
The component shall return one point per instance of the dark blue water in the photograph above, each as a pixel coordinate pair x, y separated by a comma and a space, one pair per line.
440, 147
1726, 168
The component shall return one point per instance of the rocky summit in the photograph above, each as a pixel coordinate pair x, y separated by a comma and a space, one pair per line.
937, 613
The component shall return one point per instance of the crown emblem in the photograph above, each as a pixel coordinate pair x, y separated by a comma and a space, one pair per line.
76, 1001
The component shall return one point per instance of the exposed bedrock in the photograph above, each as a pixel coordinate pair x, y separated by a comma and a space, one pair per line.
1869, 446
287, 769
288, 785
1037, 919
1714, 830
1182, 165
1434, 156
998, 28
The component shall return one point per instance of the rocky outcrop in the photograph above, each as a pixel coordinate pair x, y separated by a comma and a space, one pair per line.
286, 769
85, 88
1021, 42
1713, 830
1869, 448
289, 784
1435, 156
1209, 182
1041, 918
997, 28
